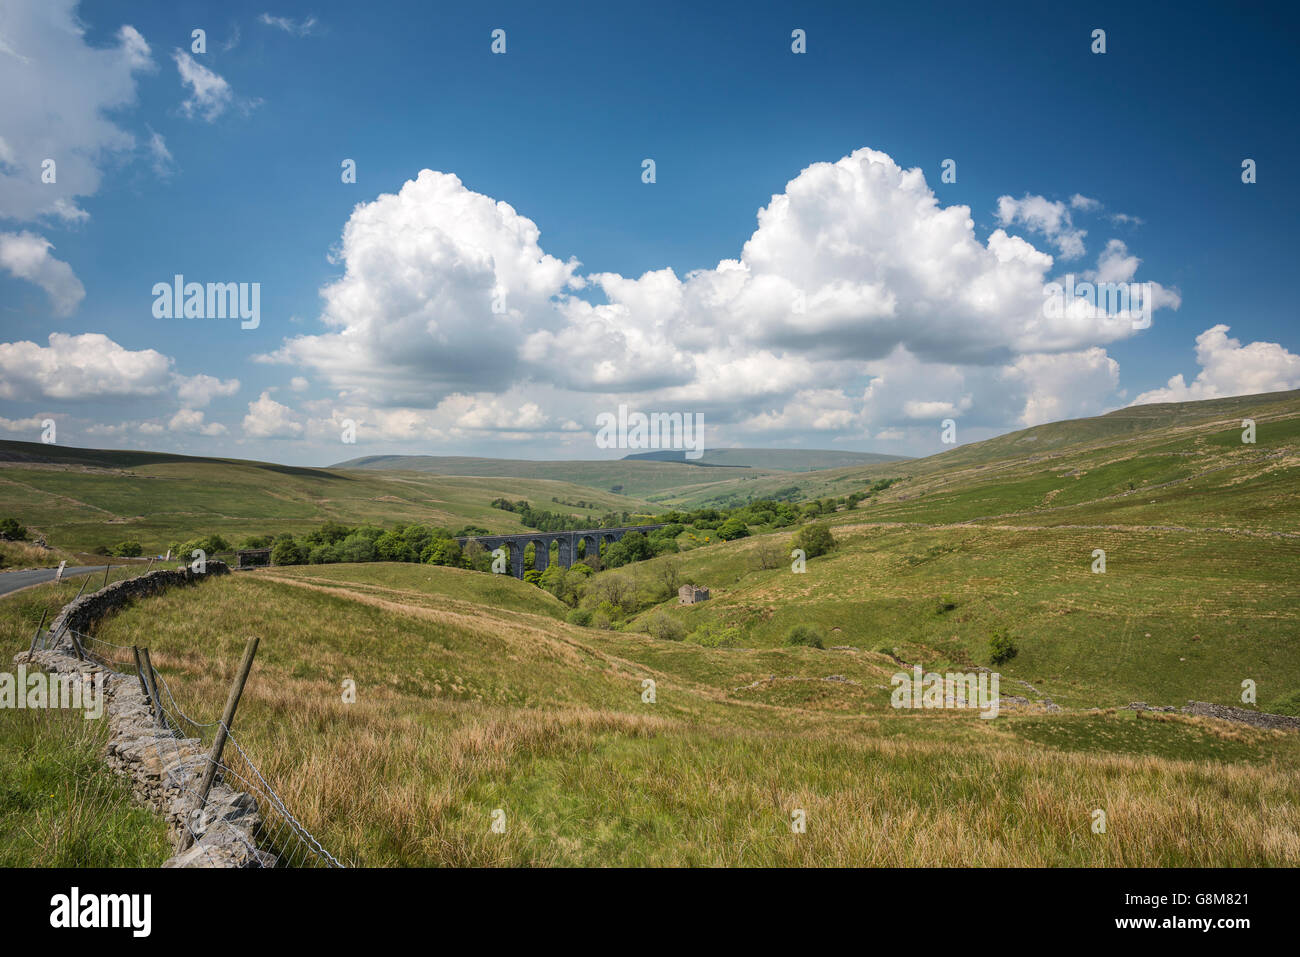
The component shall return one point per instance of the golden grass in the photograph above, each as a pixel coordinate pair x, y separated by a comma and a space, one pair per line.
461, 714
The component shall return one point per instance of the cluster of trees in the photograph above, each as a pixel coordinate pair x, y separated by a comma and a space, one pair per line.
211, 545
335, 542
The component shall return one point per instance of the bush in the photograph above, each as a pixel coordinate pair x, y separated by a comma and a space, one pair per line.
579, 616
1002, 648
944, 605
661, 625
804, 635
127, 550
716, 634
815, 539
732, 529
10, 529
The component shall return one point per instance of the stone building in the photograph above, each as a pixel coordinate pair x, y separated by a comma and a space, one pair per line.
254, 557
690, 594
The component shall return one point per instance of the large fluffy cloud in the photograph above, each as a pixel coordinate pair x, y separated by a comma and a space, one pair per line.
1229, 368
89, 366
441, 285
448, 292
56, 97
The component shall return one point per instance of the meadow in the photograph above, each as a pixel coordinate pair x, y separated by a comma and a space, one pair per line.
475, 694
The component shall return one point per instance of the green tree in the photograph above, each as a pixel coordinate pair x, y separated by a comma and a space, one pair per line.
815, 539
392, 546
286, 551
443, 551
732, 529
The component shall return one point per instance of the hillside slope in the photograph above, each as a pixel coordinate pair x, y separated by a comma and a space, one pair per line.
85, 498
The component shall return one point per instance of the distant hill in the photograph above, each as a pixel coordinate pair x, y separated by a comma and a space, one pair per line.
621, 476
86, 498
781, 460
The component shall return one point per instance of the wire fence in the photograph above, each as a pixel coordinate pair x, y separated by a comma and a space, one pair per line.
280, 839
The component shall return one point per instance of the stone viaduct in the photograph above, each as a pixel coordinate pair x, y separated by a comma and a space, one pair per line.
568, 551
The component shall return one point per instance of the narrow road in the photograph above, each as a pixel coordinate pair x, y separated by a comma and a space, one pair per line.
24, 578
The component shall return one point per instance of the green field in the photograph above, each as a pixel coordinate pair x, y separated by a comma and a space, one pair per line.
475, 694
83, 499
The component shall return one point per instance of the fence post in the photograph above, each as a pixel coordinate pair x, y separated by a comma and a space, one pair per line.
81, 652
38, 633
150, 565
139, 673
153, 688
107, 568
218, 743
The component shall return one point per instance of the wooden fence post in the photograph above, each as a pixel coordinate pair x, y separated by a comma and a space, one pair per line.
38, 633
153, 688
139, 673
81, 652
107, 568
218, 743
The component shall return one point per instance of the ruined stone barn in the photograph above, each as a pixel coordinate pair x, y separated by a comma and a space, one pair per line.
253, 557
690, 594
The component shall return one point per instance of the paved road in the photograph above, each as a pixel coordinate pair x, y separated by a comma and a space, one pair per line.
12, 581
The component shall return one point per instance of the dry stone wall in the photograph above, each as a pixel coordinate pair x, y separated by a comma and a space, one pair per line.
1260, 719
163, 769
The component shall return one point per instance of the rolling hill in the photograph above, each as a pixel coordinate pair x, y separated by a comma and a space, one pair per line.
86, 498
779, 460
477, 693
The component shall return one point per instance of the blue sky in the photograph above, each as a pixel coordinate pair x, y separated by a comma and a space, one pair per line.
1061, 148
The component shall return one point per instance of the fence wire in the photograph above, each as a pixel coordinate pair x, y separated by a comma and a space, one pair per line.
280, 839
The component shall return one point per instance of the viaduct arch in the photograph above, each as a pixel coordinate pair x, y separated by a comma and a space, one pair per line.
568, 550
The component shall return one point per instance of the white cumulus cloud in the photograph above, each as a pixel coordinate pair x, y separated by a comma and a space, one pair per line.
27, 256
1228, 368
88, 366
58, 101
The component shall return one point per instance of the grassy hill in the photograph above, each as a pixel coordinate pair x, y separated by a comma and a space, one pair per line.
475, 693
1184, 426
636, 478
782, 460
84, 498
